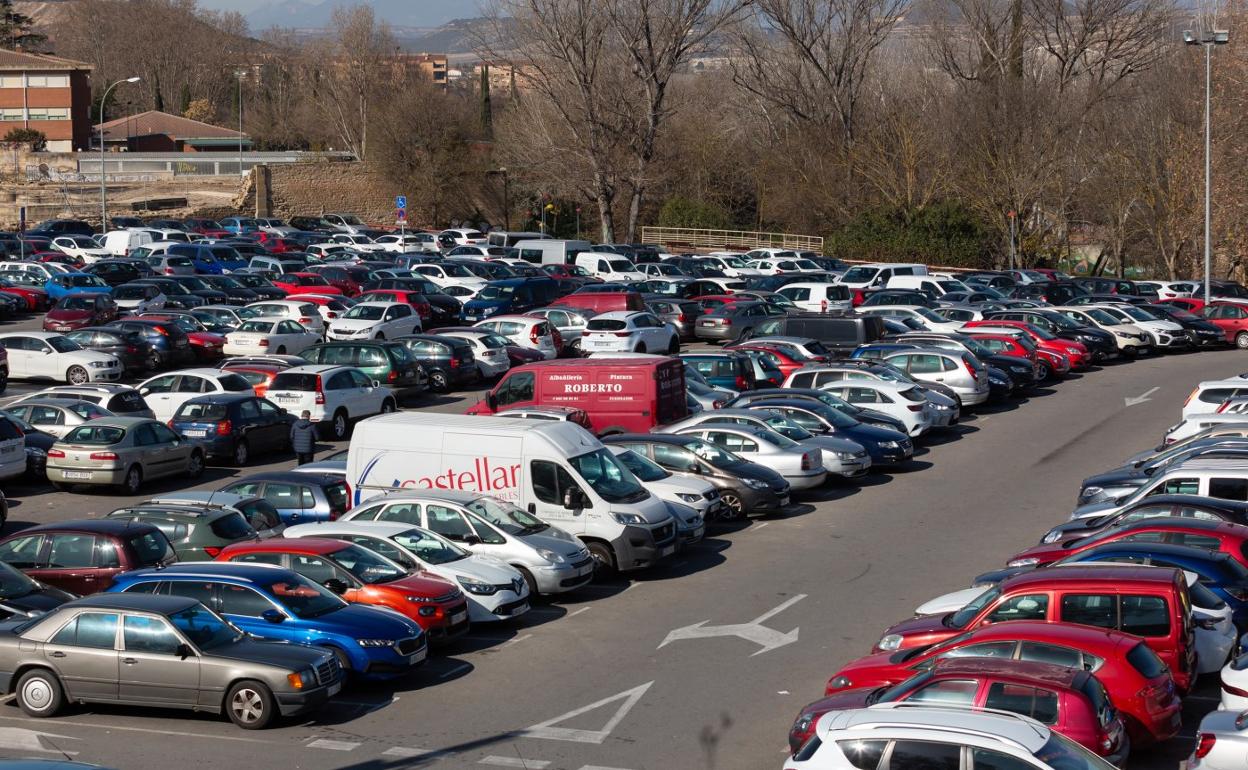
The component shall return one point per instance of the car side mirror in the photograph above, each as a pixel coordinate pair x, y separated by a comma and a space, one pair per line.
47, 351
471, 540
273, 616
145, 392
573, 499
184, 651
375, 384
336, 585
491, 401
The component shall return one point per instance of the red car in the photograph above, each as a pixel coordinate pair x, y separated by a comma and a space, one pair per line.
208, 227
1075, 352
76, 311
36, 299
258, 376
1216, 535
83, 557
304, 283
207, 346
348, 278
417, 300
1138, 682
1069, 700
1231, 318
61, 258
570, 277
363, 577
335, 304
786, 359
275, 244
1190, 304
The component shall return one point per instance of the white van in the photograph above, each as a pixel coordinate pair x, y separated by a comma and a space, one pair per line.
878, 274
555, 470
933, 285
548, 251
608, 266
507, 239
120, 243
818, 297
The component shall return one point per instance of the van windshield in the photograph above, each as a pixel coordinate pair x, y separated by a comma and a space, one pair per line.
621, 266
608, 477
859, 274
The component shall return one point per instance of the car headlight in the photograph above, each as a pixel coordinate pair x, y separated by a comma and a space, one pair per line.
1091, 492
890, 445
550, 556
948, 407
478, 587
839, 682
1028, 562
755, 483
99, 364
628, 518
890, 642
1072, 351
997, 379
844, 455
376, 642
1020, 369
1052, 536
688, 498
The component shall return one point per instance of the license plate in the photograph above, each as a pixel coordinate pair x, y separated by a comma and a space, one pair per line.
288, 398
784, 500
77, 474
195, 433
520, 609
335, 688
459, 617
706, 323
667, 551
419, 656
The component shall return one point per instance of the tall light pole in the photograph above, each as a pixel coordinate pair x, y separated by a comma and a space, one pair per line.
240, 74
1208, 39
103, 191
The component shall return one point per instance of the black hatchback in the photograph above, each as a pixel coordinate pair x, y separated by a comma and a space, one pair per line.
114, 272
448, 361
135, 353
234, 426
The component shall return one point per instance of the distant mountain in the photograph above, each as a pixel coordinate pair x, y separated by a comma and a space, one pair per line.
316, 14
453, 37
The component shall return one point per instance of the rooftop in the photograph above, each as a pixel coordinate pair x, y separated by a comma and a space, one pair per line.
153, 122
11, 61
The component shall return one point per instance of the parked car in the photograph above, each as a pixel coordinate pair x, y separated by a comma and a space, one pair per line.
78, 310
372, 320
57, 416
536, 334
298, 497
197, 533
265, 335
626, 330
801, 466
447, 361
385, 362
83, 557
164, 393
232, 426
1153, 506
334, 395
48, 355
122, 452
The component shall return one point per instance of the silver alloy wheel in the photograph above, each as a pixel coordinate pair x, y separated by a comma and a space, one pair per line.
37, 693
241, 453
134, 479
247, 705
77, 375
340, 425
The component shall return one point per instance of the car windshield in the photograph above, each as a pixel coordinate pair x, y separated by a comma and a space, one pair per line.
350, 219
366, 312
1182, 315
429, 547
787, 428
204, 628
965, 615
123, 292
83, 280
1117, 314
367, 566
506, 516
262, 327
491, 293
187, 323
776, 440
641, 467
78, 302
95, 435
1100, 316
14, 584
200, 412
859, 274
608, 477
1139, 315
303, 597
720, 458
1061, 753
456, 271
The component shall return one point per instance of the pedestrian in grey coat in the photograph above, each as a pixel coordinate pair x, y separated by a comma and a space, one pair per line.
303, 437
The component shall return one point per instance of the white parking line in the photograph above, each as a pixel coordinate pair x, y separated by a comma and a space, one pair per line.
600, 767
59, 722
578, 612
403, 752
325, 743
760, 526
534, 764
519, 639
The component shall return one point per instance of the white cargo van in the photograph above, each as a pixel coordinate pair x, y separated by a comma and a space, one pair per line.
549, 251
555, 470
120, 243
608, 266
818, 296
877, 275
933, 285
507, 239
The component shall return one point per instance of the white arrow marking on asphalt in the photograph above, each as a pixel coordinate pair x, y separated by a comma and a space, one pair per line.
1133, 400
754, 631
21, 739
547, 730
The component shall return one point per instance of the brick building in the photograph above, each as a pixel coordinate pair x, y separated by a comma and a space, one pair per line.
48, 94
154, 131
433, 67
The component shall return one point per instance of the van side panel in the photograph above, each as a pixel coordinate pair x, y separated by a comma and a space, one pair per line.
616, 398
467, 461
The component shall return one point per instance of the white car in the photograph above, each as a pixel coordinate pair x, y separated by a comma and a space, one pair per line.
629, 331
495, 590
733, 264
489, 348
328, 248
1193, 424
570, 322
464, 236
1210, 395
400, 243
895, 399
450, 274
164, 393
818, 296
305, 313
524, 331
269, 335
136, 298
482, 252
375, 321
1166, 335
52, 356
1170, 289
937, 737
275, 226
922, 314
358, 242
12, 451
334, 395
82, 246
1130, 339
654, 270
686, 489
44, 271
1221, 741
777, 266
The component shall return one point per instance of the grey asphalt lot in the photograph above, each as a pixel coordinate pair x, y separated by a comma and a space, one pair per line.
640, 673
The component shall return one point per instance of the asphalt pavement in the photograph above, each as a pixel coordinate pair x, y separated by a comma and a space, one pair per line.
702, 663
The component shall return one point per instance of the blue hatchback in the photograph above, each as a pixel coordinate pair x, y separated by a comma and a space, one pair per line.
273, 603
65, 284
511, 295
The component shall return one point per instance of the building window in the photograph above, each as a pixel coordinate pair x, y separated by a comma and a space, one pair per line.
49, 113
10, 81
48, 81
16, 114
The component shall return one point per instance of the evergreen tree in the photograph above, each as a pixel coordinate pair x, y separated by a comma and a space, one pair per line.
17, 29
185, 99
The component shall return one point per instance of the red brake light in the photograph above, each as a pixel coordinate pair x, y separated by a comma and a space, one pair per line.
454, 363
102, 455
392, 376
162, 331
1206, 744
808, 461
741, 383
533, 335
55, 453
168, 271
305, 321
915, 407
224, 427
320, 392
971, 367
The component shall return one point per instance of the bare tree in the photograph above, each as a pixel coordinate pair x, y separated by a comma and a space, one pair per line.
349, 71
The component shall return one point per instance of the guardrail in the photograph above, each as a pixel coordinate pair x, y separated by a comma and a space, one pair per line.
117, 164
729, 240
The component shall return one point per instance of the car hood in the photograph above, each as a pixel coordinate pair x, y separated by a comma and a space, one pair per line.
68, 315
1095, 509
844, 700
676, 484
555, 539
270, 652
487, 568
87, 356
833, 444
37, 602
1133, 478
1045, 554
870, 433
926, 624
423, 583
86, 289
753, 470
875, 670
352, 324
364, 622
996, 576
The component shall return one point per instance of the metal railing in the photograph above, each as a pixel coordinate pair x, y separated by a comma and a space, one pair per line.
117, 164
729, 240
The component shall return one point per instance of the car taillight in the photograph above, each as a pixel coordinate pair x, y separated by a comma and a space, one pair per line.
331, 314
168, 271
741, 383
534, 336
102, 455
808, 461
392, 376
1238, 594
622, 334
1190, 396
264, 342
162, 332
724, 321
915, 407
682, 318
305, 321
971, 368
1205, 745
320, 391
224, 427
131, 349
55, 453
454, 363
212, 551
718, 404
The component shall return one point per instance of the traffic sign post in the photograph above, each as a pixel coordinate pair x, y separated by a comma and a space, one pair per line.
400, 211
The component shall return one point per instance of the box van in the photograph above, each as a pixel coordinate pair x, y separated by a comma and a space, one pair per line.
120, 243
555, 470
818, 297
608, 266
877, 275
603, 301
933, 285
840, 333
620, 395
508, 239
549, 251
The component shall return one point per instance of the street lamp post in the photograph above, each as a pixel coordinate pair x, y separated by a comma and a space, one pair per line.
240, 74
1208, 39
103, 190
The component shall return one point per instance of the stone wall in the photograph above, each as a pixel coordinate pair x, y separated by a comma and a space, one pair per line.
310, 189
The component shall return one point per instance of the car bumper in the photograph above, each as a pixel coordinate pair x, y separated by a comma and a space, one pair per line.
973, 397
291, 703
105, 375
717, 333
806, 480
490, 369
85, 476
637, 549
891, 456
764, 500
388, 663
564, 577
850, 468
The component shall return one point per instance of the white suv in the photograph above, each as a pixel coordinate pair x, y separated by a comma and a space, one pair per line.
334, 395
899, 736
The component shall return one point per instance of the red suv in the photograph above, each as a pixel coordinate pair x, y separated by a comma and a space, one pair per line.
1138, 682
1076, 352
83, 557
1150, 602
1069, 700
363, 577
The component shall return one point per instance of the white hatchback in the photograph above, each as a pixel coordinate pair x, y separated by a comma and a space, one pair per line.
164, 393
305, 313
524, 331
488, 347
375, 321
269, 335
629, 331
901, 400
335, 396
51, 356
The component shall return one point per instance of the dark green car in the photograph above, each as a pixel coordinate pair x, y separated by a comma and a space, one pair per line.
389, 363
196, 533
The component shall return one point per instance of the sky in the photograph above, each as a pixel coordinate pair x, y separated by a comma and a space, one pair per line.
436, 11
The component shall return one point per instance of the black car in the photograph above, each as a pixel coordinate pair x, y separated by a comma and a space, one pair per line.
167, 224
444, 307
1100, 342
774, 282
234, 426
22, 597
1098, 299
258, 284
235, 293
1052, 292
1202, 333
54, 227
899, 297
448, 361
196, 285
121, 223
114, 272
170, 342
130, 347
177, 296
1103, 285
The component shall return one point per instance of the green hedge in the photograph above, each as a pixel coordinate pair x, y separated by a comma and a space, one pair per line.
944, 233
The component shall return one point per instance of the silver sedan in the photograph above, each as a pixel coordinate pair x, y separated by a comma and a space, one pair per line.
801, 466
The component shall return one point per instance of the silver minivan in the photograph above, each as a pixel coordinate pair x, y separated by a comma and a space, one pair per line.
552, 561
1223, 479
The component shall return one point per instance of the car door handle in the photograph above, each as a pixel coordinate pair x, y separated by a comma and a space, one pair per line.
56, 654
129, 661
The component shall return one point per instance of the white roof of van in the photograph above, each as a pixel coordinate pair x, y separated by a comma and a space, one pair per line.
569, 438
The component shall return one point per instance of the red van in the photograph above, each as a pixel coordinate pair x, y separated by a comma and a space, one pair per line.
602, 301
620, 395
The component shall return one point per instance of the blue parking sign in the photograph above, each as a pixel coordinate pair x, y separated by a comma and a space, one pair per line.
400, 201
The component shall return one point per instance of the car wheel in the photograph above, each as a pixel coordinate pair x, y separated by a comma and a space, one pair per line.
575, 347
1241, 340
380, 336
250, 705
77, 375
438, 382
281, 350
387, 407
195, 465
242, 453
734, 507
340, 425
530, 581
133, 480
641, 348
674, 347
604, 559
4, 379
39, 693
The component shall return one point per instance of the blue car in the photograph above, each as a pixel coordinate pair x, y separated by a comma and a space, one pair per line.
878, 350
273, 603
299, 498
886, 446
65, 284
206, 258
511, 295
239, 225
